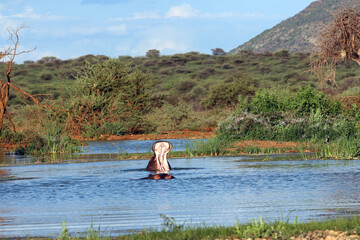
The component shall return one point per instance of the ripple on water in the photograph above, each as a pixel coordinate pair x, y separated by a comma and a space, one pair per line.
215, 190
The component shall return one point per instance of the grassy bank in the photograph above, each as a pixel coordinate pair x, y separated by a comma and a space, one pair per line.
217, 146
345, 227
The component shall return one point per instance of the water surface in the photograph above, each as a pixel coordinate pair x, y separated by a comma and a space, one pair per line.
35, 199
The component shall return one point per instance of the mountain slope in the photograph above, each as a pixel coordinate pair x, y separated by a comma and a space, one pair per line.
298, 33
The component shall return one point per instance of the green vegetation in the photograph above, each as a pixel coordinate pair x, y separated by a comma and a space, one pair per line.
307, 115
189, 76
109, 98
278, 229
239, 94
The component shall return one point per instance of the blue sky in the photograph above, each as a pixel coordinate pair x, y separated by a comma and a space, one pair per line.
72, 28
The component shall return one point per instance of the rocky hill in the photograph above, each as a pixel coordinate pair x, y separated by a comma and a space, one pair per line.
298, 33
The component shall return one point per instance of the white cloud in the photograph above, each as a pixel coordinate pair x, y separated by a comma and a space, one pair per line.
183, 11
160, 44
29, 13
117, 30
138, 16
164, 38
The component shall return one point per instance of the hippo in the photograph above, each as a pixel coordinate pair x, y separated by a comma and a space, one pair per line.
159, 162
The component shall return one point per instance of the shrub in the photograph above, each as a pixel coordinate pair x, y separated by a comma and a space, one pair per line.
153, 53
309, 99
46, 76
226, 94
109, 92
186, 86
308, 115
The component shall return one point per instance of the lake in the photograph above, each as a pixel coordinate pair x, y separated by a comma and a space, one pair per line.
96, 188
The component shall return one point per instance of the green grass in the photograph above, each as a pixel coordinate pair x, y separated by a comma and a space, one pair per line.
341, 149
209, 147
281, 228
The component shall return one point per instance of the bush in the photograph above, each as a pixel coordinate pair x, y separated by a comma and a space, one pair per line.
226, 94
308, 115
106, 94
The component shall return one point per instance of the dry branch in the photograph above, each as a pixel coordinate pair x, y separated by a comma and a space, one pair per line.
8, 56
339, 42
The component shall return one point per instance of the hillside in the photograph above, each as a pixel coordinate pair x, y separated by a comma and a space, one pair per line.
190, 76
298, 33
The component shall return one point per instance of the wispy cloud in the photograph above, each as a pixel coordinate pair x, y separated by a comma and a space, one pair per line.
30, 14
138, 16
186, 11
182, 11
117, 30
164, 38
102, 2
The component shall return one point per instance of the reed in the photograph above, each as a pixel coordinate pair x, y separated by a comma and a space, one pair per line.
345, 148
212, 146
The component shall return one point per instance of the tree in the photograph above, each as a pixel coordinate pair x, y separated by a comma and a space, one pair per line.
340, 41
218, 52
153, 53
110, 97
8, 56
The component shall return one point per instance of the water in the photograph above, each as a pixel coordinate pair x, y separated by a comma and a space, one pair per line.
129, 146
35, 199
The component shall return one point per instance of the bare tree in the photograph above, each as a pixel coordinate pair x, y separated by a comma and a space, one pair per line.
8, 56
339, 42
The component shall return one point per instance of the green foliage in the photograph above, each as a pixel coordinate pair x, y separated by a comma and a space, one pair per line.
344, 148
109, 98
266, 101
153, 53
226, 94
202, 81
307, 115
308, 99
7, 136
50, 139
91, 234
302, 103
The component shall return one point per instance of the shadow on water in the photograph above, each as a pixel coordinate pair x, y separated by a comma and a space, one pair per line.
100, 190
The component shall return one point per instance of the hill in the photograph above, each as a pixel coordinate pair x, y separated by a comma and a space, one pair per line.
298, 33
190, 76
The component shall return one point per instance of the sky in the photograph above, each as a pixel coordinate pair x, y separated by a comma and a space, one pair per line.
69, 29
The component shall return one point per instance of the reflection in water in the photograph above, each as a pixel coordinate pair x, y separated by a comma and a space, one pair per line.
214, 190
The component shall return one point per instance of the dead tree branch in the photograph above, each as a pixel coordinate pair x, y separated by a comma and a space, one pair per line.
339, 42
8, 56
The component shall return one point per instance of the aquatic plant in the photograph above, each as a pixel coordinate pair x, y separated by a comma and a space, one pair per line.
212, 146
345, 148
51, 138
